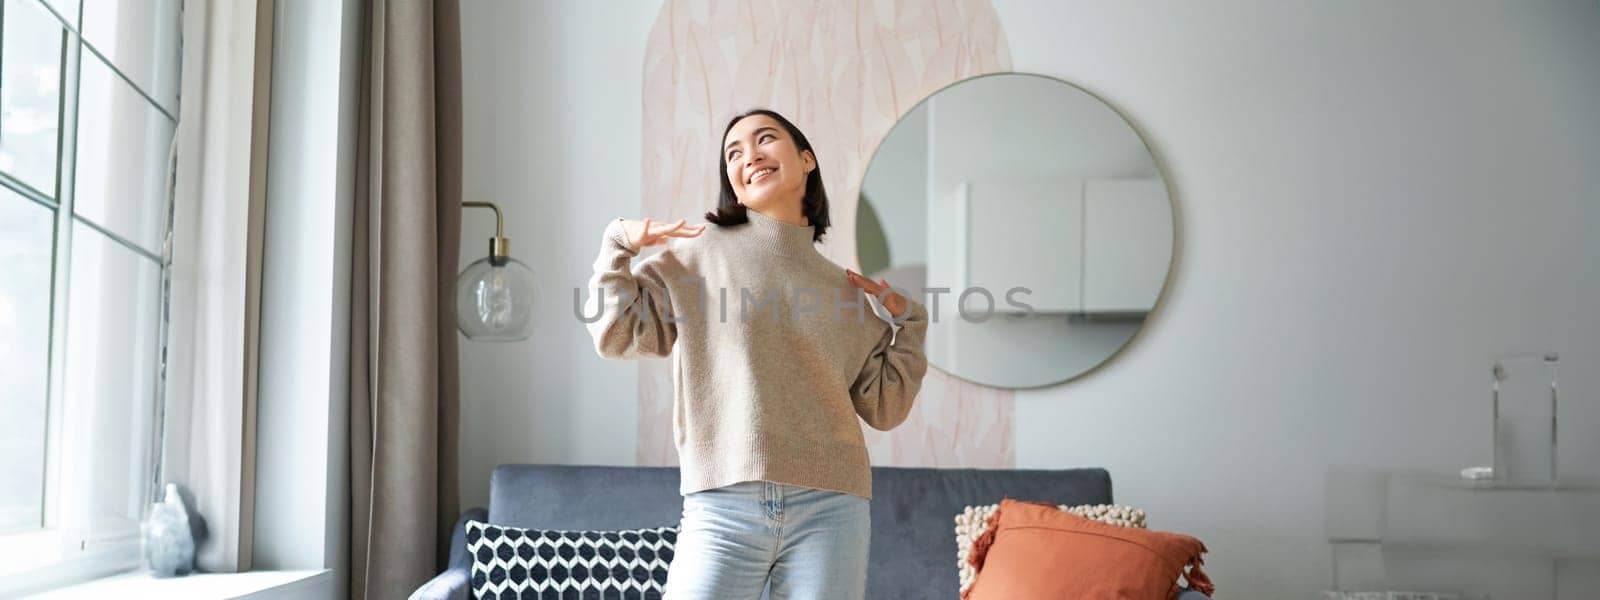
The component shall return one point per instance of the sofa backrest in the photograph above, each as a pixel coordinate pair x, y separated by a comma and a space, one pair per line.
913, 510
584, 497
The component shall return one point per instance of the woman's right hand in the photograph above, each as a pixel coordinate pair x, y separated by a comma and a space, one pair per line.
645, 232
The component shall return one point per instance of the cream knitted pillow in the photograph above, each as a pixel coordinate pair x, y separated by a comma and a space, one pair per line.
973, 520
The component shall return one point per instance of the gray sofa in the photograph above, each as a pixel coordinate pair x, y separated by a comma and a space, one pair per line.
913, 510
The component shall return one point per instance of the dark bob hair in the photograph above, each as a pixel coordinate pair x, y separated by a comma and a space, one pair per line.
815, 203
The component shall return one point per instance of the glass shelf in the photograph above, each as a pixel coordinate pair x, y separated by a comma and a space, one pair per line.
1437, 510
1489, 485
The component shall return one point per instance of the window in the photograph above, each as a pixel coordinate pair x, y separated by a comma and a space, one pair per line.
88, 98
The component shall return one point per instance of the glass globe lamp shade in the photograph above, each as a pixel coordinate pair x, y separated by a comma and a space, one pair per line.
494, 300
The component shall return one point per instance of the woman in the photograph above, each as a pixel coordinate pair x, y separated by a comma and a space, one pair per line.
776, 359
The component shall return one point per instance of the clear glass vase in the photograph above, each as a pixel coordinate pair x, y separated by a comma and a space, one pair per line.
1526, 407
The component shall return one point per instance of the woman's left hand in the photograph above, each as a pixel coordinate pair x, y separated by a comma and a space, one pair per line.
892, 301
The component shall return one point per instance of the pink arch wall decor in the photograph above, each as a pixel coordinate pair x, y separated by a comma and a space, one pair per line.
844, 72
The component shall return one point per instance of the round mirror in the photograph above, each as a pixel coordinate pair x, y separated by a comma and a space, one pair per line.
1031, 219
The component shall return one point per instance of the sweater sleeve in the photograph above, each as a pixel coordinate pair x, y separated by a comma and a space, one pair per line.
630, 309
889, 381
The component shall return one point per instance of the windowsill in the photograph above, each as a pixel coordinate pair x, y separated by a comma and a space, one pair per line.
252, 585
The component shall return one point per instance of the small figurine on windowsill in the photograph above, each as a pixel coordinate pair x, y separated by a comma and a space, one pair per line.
166, 536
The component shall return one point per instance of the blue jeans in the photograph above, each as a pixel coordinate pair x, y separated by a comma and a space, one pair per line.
735, 540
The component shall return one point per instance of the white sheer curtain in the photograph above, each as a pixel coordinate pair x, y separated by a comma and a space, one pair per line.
211, 362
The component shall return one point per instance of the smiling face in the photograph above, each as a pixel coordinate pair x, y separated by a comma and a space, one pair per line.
764, 165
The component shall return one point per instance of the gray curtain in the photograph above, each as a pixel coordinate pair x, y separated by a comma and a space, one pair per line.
404, 406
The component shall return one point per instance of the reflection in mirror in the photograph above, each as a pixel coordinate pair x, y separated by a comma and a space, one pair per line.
1032, 220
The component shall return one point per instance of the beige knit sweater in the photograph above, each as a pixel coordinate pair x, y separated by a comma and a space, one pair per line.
774, 352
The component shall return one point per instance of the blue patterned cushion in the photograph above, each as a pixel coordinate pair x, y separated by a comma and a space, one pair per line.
512, 562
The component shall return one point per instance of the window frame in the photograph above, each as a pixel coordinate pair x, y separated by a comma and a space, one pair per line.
59, 552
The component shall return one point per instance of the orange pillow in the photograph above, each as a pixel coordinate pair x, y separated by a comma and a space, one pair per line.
1034, 550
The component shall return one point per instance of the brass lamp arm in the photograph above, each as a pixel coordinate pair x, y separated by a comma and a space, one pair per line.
499, 246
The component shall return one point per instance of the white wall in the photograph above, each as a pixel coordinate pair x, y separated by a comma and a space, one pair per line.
552, 116
1373, 200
